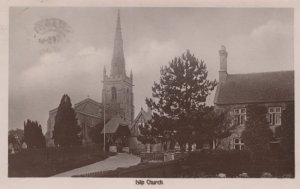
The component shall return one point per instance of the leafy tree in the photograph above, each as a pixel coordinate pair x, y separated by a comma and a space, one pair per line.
16, 137
288, 129
12, 139
147, 133
257, 134
180, 97
33, 135
66, 130
217, 126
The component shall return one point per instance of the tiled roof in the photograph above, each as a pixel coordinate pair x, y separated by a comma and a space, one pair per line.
112, 125
256, 88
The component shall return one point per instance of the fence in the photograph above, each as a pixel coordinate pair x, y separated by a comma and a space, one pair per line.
161, 156
168, 169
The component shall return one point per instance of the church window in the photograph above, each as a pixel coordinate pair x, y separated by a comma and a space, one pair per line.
127, 96
274, 115
239, 116
113, 93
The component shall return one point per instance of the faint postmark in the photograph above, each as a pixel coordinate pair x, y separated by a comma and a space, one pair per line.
51, 34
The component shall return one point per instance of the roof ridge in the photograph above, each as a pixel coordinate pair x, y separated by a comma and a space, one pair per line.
88, 99
282, 71
256, 87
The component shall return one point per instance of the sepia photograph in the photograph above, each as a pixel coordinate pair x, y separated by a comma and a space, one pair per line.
151, 92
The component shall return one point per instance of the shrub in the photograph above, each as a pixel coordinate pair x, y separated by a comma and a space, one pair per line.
234, 162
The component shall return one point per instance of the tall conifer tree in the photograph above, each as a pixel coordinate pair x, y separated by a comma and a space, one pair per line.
288, 129
66, 130
33, 135
257, 134
180, 97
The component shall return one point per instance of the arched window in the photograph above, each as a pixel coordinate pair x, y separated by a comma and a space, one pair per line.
127, 96
113, 93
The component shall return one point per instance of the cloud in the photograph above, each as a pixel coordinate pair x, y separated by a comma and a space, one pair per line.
66, 69
272, 40
152, 54
76, 71
146, 62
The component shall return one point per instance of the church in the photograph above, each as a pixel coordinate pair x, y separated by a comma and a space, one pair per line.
117, 98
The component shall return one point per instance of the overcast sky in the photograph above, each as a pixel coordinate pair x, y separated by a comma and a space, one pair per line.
257, 40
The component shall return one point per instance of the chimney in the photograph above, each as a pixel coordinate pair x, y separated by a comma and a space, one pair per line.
223, 64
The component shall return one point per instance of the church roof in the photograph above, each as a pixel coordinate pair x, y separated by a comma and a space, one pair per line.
113, 125
256, 88
89, 106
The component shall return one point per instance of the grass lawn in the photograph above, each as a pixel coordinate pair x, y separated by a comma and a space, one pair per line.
50, 161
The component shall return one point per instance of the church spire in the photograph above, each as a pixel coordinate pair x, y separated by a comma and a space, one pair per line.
118, 60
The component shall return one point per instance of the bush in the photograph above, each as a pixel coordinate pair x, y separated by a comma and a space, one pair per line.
229, 162
234, 162
50, 161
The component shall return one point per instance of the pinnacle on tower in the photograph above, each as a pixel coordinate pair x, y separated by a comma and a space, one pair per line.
118, 60
104, 72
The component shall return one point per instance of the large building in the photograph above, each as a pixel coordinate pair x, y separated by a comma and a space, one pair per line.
117, 95
117, 90
88, 113
235, 92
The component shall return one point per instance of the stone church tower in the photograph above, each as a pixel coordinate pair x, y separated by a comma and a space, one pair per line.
117, 93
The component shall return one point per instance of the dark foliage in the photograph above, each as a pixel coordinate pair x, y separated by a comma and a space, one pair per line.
50, 161
288, 129
217, 126
257, 134
15, 137
232, 163
95, 132
66, 130
147, 133
12, 139
288, 134
202, 165
180, 97
33, 135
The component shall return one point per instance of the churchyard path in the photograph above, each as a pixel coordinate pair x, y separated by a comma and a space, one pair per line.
111, 163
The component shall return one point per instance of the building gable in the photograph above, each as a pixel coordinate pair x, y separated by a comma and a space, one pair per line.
89, 107
142, 117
